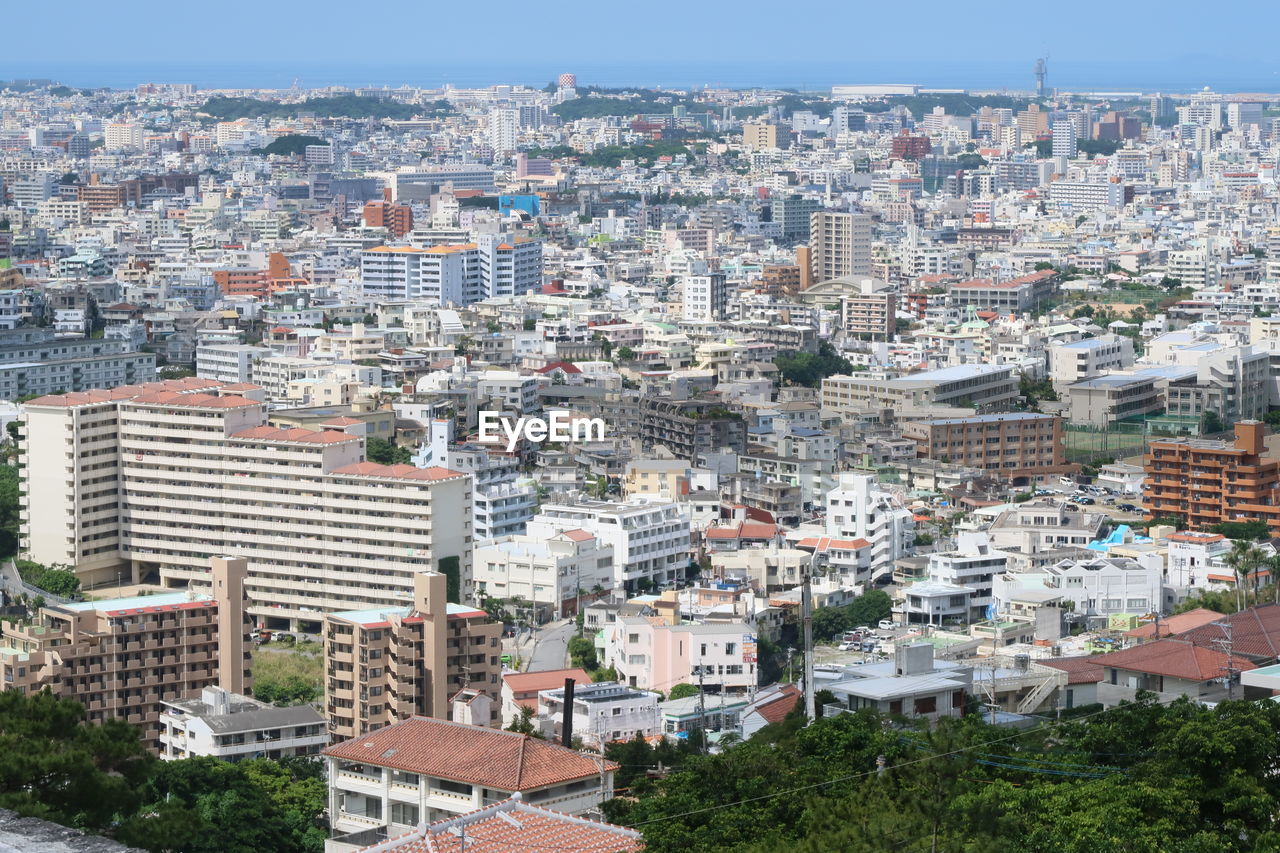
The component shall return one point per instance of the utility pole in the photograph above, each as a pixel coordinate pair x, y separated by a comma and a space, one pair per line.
1230, 668
806, 609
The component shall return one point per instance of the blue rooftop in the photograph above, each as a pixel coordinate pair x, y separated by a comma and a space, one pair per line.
133, 602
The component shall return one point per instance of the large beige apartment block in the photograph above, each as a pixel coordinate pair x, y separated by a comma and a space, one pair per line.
145, 483
382, 666
126, 657
839, 245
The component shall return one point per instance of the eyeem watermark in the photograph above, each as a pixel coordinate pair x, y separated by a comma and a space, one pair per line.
561, 428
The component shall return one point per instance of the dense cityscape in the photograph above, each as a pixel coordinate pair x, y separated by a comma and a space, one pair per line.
569, 467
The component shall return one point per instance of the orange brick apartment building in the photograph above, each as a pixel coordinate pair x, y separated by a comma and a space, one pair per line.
1208, 482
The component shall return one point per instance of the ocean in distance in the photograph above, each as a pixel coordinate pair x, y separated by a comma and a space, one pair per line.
1174, 75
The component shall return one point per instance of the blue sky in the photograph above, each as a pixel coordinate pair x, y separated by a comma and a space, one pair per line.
658, 30
659, 40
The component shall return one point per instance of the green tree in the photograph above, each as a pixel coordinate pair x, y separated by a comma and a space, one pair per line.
683, 691
386, 453
626, 353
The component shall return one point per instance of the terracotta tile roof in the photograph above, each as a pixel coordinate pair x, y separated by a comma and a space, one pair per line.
578, 535
396, 472
1255, 632
1178, 624
180, 400
559, 365
1174, 658
297, 434
824, 543
532, 682
776, 709
124, 392
341, 420
1079, 670
512, 825
492, 758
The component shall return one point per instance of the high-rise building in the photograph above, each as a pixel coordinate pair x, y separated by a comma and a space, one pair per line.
396, 218
839, 245
504, 130
151, 480
122, 135
1064, 138
705, 297
792, 213
127, 657
759, 135
388, 665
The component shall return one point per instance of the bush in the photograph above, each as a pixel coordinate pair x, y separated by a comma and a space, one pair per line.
57, 580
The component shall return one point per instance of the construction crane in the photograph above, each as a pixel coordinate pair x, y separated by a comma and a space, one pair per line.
1042, 71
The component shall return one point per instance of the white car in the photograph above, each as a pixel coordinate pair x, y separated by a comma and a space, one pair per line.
885, 625
851, 646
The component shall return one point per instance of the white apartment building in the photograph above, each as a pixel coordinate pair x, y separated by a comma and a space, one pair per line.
1085, 196
1105, 586
229, 363
146, 482
973, 565
512, 391
858, 509
504, 130
649, 538
1074, 361
547, 572
232, 727
705, 298
602, 713
502, 502
122, 135
458, 274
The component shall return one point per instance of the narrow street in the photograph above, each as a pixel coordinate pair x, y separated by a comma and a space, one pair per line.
551, 647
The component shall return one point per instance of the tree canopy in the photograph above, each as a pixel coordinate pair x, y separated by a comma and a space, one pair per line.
101, 779
1138, 777
808, 369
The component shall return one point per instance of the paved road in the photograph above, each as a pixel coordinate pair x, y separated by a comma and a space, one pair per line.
551, 647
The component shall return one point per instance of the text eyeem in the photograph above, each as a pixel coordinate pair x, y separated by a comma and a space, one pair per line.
560, 427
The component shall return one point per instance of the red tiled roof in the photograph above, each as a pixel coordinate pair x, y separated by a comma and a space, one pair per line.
1176, 624
124, 392
512, 825
342, 420
559, 365
578, 535
824, 543
397, 472
1079, 670
1254, 632
194, 401
532, 682
309, 436
1174, 658
493, 758
775, 710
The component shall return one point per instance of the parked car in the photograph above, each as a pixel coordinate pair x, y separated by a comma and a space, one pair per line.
851, 646
885, 625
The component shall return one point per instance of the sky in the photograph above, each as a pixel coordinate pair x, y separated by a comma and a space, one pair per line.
653, 40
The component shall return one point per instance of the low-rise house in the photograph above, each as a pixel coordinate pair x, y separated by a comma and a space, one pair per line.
422, 769
913, 684
232, 727
602, 713
509, 825
521, 689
